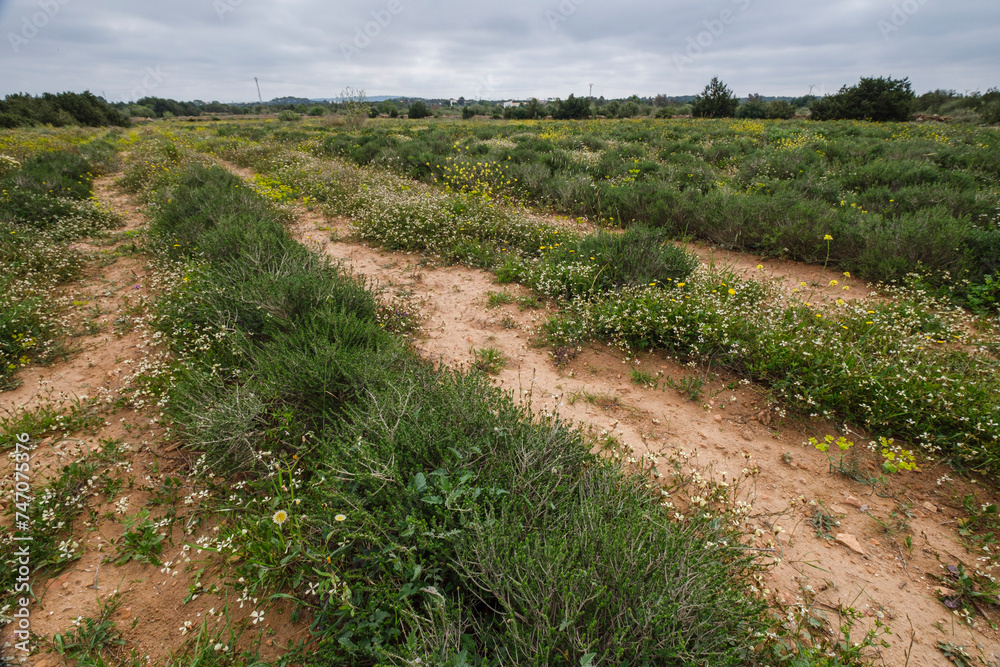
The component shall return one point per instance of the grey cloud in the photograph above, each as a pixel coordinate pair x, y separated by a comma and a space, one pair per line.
212, 49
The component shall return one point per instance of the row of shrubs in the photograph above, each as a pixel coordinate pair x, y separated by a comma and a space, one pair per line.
896, 199
910, 370
44, 206
454, 527
59, 110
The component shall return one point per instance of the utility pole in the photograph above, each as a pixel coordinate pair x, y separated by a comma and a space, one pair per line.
258, 91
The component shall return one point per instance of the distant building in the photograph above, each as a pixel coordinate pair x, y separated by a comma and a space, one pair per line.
511, 103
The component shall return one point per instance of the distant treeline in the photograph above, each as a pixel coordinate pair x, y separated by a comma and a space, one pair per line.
875, 99
21, 110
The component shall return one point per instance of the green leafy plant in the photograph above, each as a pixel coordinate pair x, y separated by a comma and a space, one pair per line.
93, 638
142, 540
955, 654
824, 522
497, 299
843, 444
644, 378
972, 592
689, 385
489, 360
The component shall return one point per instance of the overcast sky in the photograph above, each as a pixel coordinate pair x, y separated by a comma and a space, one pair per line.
213, 49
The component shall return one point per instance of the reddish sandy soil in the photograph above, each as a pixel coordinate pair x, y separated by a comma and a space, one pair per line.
867, 567
99, 364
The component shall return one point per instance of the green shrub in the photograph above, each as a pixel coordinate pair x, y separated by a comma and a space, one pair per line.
418, 110
780, 110
572, 108
716, 101
753, 108
573, 609
880, 99
990, 113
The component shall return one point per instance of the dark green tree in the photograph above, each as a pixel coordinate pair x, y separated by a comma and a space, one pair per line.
534, 108
716, 101
754, 108
879, 100
419, 110
572, 108
780, 109
59, 109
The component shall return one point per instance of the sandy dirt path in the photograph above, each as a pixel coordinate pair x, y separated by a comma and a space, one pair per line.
726, 430
113, 343
731, 427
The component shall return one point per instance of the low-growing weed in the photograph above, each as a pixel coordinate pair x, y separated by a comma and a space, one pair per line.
688, 385
824, 521
55, 506
982, 524
142, 540
956, 655
489, 360
972, 592
844, 445
93, 641
67, 416
528, 302
644, 378
810, 638
497, 299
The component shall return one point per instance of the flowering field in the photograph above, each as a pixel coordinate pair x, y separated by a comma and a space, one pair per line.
45, 205
896, 198
913, 367
405, 512
384, 495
